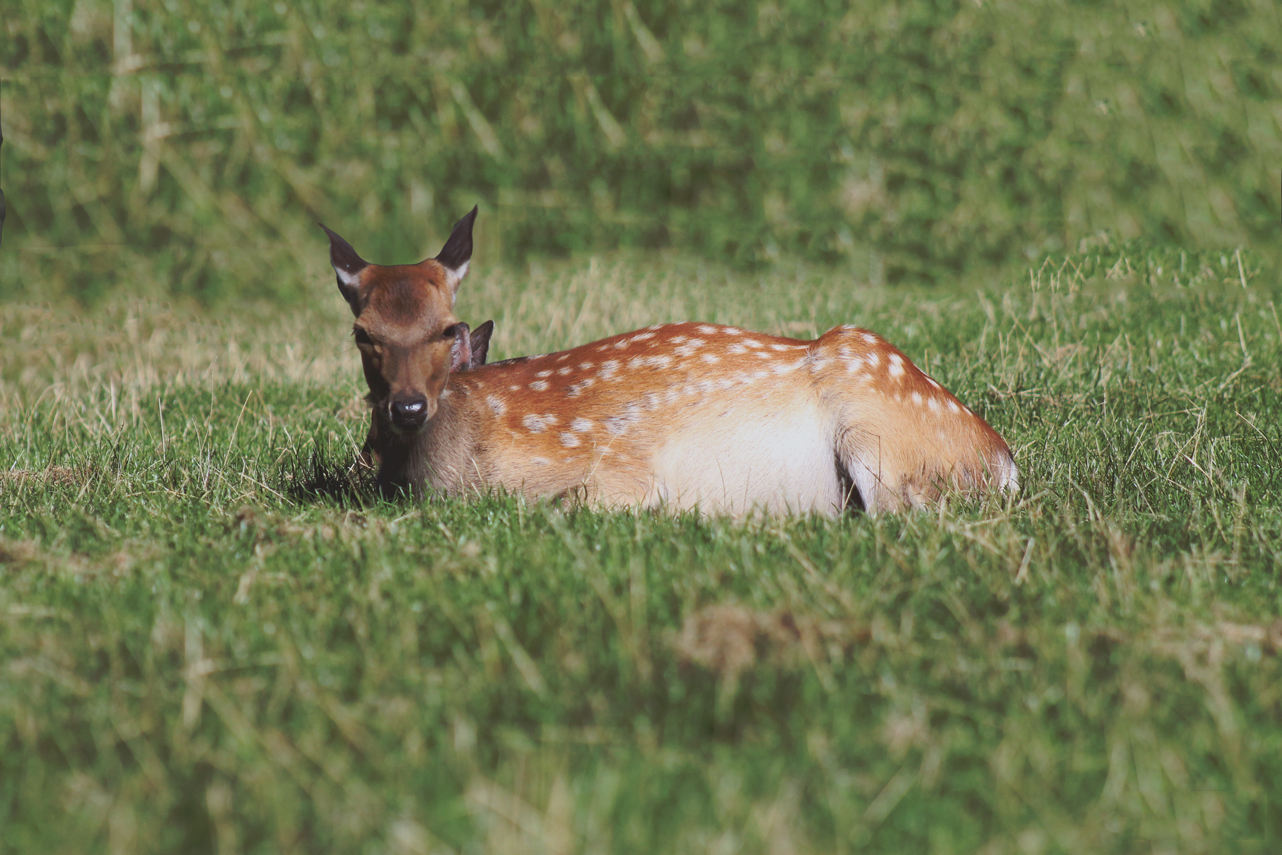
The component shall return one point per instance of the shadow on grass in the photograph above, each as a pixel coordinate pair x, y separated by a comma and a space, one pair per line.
328, 476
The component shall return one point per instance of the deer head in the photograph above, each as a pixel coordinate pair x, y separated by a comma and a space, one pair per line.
405, 326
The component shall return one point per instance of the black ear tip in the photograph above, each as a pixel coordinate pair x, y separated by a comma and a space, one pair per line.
458, 249
334, 237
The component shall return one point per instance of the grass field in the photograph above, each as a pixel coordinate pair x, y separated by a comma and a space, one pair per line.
213, 640
914, 141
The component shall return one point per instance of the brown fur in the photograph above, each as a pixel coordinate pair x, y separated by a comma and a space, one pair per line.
682, 415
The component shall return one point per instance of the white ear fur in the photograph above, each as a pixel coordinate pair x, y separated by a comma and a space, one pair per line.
349, 280
457, 252
455, 277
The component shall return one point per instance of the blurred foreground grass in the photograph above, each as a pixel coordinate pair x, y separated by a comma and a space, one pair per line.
211, 641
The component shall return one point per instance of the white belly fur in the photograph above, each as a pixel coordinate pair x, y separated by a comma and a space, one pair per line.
739, 461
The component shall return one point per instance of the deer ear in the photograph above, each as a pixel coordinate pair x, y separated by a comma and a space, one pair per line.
457, 252
348, 266
461, 349
481, 343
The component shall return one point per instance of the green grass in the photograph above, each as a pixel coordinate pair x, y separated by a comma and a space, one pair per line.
211, 640
912, 141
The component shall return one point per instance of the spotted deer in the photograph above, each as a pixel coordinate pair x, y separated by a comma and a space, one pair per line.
680, 415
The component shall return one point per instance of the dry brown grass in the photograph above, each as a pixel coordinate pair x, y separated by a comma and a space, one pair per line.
729, 639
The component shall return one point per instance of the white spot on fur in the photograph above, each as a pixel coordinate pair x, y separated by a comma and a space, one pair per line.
781, 347
537, 424
873, 359
678, 339
917, 399
620, 423
736, 348
561, 372
689, 347
764, 354
540, 461
853, 365
732, 331
789, 367
710, 358
870, 338
643, 336
586, 366
609, 369
952, 407
660, 361
896, 365
753, 343
651, 401
569, 440
514, 388
562, 356
581, 425
543, 374
497, 405
539, 386
706, 329
576, 389
933, 403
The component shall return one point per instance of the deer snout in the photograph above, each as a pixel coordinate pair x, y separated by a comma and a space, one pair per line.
410, 413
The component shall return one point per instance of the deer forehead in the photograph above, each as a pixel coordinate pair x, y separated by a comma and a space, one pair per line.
406, 294
405, 313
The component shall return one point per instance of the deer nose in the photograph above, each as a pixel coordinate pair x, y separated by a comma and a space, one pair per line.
409, 414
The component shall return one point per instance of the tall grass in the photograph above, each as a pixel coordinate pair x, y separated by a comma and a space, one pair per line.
189, 148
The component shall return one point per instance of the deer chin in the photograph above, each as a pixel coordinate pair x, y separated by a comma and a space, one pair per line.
406, 433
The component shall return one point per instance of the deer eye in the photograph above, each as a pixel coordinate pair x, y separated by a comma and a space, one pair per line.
362, 337
450, 331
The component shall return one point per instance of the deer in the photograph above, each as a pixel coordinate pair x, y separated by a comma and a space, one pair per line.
682, 416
